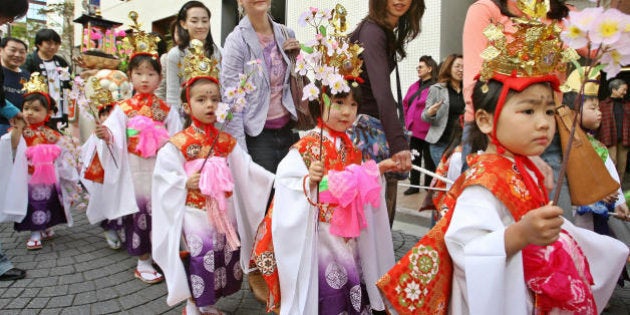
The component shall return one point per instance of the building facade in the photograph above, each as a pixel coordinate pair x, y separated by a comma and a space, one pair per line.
441, 25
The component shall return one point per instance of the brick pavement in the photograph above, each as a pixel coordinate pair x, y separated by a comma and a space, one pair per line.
76, 273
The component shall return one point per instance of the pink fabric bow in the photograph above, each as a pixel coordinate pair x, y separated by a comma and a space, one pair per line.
560, 276
151, 135
215, 182
352, 189
42, 157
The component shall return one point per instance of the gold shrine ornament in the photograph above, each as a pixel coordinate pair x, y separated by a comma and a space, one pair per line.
196, 64
533, 49
139, 41
36, 84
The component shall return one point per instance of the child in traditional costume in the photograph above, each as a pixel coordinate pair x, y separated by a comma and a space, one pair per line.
207, 194
132, 134
594, 216
326, 239
92, 174
502, 247
35, 176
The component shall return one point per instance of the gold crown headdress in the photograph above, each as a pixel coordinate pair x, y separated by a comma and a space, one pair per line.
141, 42
535, 48
196, 64
100, 96
37, 84
348, 63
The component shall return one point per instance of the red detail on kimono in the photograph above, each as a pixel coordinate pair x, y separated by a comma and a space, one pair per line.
420, 283
147, 105
95, 171
442, 170
194, 144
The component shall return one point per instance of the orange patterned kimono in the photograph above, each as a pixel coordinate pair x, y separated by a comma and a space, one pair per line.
420, 283
194, 144
309, 149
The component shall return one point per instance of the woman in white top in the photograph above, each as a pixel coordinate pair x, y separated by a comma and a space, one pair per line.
194, 23
264, 127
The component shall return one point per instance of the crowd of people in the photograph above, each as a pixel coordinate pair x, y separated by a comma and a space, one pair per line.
201, 201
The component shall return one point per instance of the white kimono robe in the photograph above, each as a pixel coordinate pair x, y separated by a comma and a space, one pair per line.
116, 196
486, 282
252, 186
14, 179
294, 231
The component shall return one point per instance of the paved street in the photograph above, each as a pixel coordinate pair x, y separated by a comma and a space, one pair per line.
76, 273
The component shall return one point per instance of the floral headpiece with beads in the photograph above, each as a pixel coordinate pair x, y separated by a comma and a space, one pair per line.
331, 57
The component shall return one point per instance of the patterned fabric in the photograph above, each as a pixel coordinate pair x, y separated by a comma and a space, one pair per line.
264, 259
420, 283
95, 171
368, 135
599, 147
212, 269
193, 143
44, 208
147, 105
607, 132
137, 228
333, 159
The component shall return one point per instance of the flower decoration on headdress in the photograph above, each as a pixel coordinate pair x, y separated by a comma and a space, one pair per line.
140, 42
332, 58
36, 84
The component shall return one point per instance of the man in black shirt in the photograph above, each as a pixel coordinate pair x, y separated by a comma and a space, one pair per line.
9, 11
12, 56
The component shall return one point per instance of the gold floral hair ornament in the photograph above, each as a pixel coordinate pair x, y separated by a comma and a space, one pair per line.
577, 77
198, 66
141, 42
100, 96
534, 49
36, 84
331, 57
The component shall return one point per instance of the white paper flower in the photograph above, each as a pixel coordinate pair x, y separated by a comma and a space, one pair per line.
310, 92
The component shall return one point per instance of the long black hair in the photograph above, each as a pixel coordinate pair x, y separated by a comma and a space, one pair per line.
13, 9
184, 37
408, 28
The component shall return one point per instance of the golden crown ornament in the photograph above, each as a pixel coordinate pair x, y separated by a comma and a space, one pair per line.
100, 96
533, 49
36, 84
140, 41
196, 64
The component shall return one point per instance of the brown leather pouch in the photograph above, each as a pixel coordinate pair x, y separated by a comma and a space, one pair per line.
589, 180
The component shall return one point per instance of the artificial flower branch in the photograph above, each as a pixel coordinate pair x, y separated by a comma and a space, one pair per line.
236, 102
